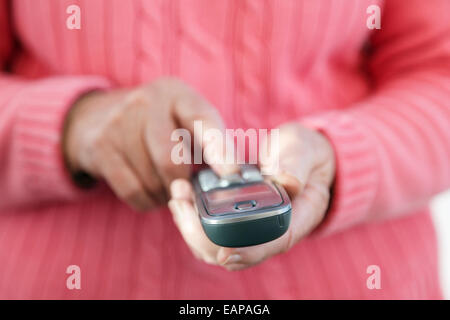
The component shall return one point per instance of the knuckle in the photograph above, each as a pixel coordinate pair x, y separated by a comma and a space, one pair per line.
97, 145
323, 195
167, 81
302, 135
167, 85
212, 113
115, 119
98, 139
326, 197
291, 127
319, 199
138, 98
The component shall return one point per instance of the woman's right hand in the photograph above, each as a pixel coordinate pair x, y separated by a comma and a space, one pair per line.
124, 137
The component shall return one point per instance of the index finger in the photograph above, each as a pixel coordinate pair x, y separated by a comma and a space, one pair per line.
204, 122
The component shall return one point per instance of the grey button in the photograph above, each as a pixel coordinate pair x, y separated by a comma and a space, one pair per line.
245, 205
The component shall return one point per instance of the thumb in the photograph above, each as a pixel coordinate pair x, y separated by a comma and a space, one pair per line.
290, 183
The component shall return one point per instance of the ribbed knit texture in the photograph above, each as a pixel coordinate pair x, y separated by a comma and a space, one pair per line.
261, 63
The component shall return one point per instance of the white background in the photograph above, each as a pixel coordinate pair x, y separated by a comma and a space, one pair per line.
441, 214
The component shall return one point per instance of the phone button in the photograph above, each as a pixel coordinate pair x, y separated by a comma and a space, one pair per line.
245, 205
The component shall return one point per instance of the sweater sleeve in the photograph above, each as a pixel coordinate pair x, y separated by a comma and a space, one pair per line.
31, 118
393, 148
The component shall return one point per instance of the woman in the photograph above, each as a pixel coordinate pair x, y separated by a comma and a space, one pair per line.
85, 93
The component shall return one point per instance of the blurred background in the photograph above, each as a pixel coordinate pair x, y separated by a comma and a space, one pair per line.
441, 214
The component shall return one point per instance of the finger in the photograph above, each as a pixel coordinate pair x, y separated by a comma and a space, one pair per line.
159, 146
294, 173
310, 207
139, 158
294, 164
181, 189
124, 182
188, 222
290, 182
208, 132
143, 166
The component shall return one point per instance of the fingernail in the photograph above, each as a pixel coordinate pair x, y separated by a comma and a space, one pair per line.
234, 258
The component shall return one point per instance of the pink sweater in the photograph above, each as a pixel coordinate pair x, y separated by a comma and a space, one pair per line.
261, 63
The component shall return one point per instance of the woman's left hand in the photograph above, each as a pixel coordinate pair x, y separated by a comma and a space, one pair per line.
306, 170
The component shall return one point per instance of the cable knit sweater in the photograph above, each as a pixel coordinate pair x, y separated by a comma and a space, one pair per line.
381, 96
